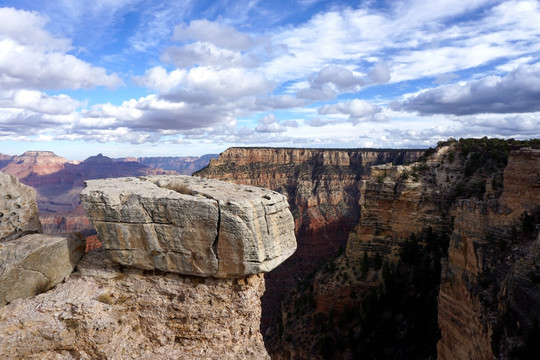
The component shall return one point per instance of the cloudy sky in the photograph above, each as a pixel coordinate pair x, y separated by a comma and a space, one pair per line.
171, 78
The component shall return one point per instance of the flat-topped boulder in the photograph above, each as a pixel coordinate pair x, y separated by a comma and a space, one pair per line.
190, 225
18, 209
35, 263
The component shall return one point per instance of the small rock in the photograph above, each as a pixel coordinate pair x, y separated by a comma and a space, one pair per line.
35, 263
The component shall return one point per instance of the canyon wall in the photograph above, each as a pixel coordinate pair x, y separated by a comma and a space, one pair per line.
323, 190
490, 295
184, 165
463, 219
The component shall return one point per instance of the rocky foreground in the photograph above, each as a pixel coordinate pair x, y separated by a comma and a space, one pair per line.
161, 288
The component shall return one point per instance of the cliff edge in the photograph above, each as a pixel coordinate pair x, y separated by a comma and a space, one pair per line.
178, 275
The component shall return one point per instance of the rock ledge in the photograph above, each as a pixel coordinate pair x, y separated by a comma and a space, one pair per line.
190, 225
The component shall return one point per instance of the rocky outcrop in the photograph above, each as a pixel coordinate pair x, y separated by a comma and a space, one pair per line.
18, 209
190, 226
30, 263
107, 311
323, 190
36, 263
110, 308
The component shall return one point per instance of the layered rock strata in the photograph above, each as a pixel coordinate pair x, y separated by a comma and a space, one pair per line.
190, 225
489, 294
400, 200
323, 190
18, 209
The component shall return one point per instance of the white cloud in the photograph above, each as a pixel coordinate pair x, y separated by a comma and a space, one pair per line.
332, 80
205, 53
358, 110
27, 29
30, 57
157, 78
39, 102
213, 32
518, 91
269, 124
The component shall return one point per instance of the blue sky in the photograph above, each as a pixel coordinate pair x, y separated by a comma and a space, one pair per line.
173, 78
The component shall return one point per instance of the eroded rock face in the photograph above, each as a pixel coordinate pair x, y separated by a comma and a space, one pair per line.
323, 190
190, 225
489, 293
35, 263
106, 311
18, 209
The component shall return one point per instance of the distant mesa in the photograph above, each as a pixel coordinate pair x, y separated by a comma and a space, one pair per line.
98, 159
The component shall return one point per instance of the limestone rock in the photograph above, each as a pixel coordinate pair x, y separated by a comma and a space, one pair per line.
106, 311
190, 225
18, 209
35, 263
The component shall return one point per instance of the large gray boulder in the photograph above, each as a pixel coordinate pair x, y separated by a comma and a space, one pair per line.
18, 209
190, 225
35, 263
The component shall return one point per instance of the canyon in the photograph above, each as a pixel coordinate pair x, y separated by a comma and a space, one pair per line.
442, 263
401, 254
323, 190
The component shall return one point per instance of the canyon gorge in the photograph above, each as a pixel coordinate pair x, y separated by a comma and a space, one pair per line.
401, 254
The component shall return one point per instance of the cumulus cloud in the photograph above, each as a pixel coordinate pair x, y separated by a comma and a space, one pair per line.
507, 125
27, 29
516, 92
213, 32
269, 124
30, 57
158, 79
40, 102
358, 110
205, 53
277, 102
333, 79
153, 114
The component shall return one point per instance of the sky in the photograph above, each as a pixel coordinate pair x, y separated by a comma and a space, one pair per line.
177, 78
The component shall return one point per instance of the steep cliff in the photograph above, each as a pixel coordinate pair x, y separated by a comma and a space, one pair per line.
490, 290
322, 187
379, 299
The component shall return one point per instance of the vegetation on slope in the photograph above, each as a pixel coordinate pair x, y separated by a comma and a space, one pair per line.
384, 310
